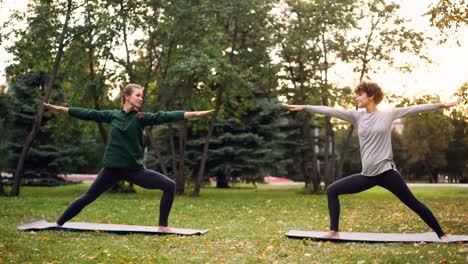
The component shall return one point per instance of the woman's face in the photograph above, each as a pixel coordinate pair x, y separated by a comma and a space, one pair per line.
136, 98
363, 100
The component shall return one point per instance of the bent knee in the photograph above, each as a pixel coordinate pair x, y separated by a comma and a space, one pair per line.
331, 190
170, 185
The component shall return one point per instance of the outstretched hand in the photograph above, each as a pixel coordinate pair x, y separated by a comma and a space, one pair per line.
205, 113
193, 114
55, 107
448, 105
294, 108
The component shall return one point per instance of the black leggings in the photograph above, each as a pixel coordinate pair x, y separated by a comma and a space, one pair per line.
109, 177
390, 180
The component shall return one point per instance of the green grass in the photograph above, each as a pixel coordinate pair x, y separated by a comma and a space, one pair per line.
246, 226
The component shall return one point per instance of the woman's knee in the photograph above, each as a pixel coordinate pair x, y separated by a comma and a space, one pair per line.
331, 190
169, 186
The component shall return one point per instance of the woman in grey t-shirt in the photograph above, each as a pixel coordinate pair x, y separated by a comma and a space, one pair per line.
378, 169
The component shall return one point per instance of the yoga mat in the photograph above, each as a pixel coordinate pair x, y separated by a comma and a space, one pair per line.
41, 224
375, 237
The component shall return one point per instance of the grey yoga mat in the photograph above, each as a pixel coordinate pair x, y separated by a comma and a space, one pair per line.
41, 224
374, 237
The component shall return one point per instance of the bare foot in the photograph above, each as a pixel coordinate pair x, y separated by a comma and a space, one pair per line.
332, 234
444, 238
164, 229
57, 224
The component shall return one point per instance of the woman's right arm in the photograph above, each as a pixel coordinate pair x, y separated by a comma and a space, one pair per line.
56, 107
84, 114
346, 115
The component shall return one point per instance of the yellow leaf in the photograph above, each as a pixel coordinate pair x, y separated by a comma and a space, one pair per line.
45, 239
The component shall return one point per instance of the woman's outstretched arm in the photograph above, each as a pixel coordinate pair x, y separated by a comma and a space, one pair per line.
56, 107
346, 115
188, 115
415, 109
83, 113
171, 116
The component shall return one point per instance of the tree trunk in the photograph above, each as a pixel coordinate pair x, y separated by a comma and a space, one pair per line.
148, 130
128, 64
15, 190
432, 172
157, 150
222, 182
180, 178
201, 171
312, 156
305, 157
330, 153
315, 171
2, 134
326, 153
102, 129
94, 84
332, 166
343, 152
219, 95
2, 190
173, 152
2, 130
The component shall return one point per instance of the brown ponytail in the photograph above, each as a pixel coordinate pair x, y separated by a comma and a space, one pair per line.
127, 91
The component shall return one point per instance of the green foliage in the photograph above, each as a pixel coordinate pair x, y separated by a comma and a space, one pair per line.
448, 16
46, 159
427, 137
248, 147
184, 53
33, 48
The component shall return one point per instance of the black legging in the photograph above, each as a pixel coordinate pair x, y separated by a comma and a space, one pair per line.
390, 180
108, 177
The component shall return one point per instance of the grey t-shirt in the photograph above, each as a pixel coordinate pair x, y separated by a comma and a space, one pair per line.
374, 131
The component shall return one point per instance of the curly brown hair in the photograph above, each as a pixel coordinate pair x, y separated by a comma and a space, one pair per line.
371, 89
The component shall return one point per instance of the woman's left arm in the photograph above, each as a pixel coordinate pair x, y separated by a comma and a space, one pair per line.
448, 105
188, 115
415, 109
171, 116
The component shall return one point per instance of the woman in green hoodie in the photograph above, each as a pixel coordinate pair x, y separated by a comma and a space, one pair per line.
123, 156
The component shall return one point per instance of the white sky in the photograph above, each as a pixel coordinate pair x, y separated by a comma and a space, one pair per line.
447, 73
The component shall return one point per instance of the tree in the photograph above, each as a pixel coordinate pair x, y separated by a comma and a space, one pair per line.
426, 138
247, 147
5, 118
40, 111
457, 157
46, 159
240, 30
448, 16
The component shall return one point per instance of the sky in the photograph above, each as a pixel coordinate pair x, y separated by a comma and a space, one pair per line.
444, 76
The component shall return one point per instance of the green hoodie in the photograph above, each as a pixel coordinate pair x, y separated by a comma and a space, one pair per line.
124, 148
